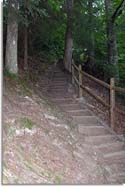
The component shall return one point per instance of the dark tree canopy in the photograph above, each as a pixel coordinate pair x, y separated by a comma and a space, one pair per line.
56, 30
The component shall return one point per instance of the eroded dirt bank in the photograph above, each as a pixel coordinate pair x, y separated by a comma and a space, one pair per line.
41, 148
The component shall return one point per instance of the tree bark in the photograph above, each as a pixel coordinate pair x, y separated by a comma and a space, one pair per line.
118, 10
26, 41
111, 39
12, 38
91, 34
68, 36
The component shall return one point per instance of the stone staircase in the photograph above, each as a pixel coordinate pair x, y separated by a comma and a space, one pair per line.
109, 147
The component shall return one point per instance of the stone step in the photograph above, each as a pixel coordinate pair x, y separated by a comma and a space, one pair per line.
58, 89
92, 130
58, 97
115, 157
98, 140
114, 168
110, 147
58, 71
121, 178
53, 93
59, 74
79, 113
62, 102
63, 99
58, 84
85, 120
59, 79
68, 107
118, 178
115, 175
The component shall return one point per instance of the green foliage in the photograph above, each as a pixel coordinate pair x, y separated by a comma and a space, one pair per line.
109, 71
10, 75
76, 55
82, 38
24, 86
98, 69
47, 20
122, 73
48, 34
58, 179
54, 5
17, 80
26, 122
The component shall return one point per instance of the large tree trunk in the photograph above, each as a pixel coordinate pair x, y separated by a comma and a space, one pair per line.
91, 34
26, 40
25, 48
12, 37
68, 36
111, 39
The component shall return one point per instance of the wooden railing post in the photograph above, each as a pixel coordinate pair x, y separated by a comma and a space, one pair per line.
112, 103
73, 73
80, 81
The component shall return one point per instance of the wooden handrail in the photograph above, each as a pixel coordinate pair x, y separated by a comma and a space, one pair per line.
75, 66
98, 80
92, 77
76, 80
96, 97
111, 87
120, 89
91, 93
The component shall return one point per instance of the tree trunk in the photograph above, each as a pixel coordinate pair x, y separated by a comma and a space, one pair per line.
111, 40
25, 49
26, 41
68, 36
91, 34
12, 38
68, 50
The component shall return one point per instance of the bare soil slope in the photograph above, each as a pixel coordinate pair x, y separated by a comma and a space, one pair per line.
39, 147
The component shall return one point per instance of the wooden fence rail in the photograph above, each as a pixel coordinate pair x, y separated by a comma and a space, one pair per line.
111, 87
